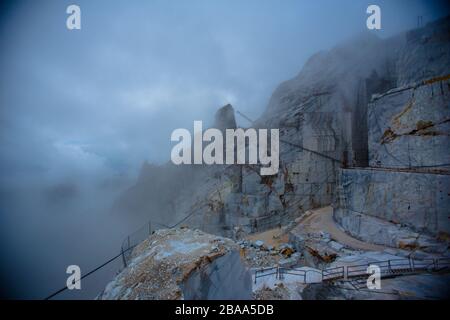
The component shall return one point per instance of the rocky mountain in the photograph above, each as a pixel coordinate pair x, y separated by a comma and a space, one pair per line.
365, 137
336, 112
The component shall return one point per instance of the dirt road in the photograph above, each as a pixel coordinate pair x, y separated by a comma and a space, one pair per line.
322, 220
319, 220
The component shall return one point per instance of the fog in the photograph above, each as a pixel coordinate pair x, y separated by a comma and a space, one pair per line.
81, 110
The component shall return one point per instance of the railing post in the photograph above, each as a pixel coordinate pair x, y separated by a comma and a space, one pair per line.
280, 272
123, 257
389, 266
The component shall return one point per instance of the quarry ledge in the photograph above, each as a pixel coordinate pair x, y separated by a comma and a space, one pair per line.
436, 170
416, 85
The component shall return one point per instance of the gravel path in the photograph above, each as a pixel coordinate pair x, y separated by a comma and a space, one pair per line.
319, 220
322, 220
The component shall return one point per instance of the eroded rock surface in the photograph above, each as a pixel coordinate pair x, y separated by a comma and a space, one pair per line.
410, 127
182, 264
326, 109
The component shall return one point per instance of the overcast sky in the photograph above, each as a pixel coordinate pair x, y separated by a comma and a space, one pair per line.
105, 98
86, 105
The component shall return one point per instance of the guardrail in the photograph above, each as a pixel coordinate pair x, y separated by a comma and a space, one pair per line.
264, 272
388, 268
333, 273
292, 271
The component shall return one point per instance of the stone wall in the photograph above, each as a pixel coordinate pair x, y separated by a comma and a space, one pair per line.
384, 206
403, 198
410, 127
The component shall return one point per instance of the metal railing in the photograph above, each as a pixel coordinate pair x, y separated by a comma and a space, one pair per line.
295, 272
388, 268
333, 273
264, 272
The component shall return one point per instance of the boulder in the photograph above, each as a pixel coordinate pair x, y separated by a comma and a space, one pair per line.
259, 244
290, 262
335, 245
182, 264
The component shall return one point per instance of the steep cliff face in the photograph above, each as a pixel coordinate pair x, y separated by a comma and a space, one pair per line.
364, 127
335, 73
395, 208
403, 198
326, 119
424, 54
343, 80
409, 126
313, 112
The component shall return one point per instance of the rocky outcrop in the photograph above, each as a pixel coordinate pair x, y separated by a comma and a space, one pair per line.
424, 53
410, 127
182, 264
364, 126
402, 198
224, 118
326, 120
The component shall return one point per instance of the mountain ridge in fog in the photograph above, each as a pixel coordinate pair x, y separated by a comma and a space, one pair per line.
336, 84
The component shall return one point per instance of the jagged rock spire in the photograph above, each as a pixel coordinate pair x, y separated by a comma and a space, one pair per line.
225, 118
